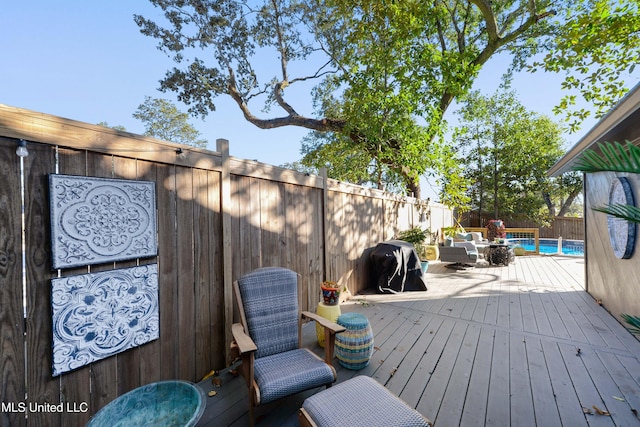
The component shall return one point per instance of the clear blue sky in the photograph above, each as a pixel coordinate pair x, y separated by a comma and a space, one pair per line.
86, 60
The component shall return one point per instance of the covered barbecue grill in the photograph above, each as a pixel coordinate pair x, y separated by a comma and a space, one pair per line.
396, 267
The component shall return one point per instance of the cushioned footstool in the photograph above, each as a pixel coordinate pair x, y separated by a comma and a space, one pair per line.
358, 402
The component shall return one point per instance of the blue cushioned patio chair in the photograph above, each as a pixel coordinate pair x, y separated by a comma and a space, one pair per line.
269, 336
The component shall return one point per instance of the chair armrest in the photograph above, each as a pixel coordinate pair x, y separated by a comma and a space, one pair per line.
330, 331
334, 328
244, 341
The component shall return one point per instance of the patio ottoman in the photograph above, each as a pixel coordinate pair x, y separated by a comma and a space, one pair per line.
358, 402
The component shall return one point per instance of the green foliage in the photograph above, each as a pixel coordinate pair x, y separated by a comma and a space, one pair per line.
614, 157
163, 120
385, 72
417, 237
451, 231
407, 60
626, 212
300, 167
610, 157
564, 192
346, 161
454, 183
596, 45
116, 127
505, 151
634, 322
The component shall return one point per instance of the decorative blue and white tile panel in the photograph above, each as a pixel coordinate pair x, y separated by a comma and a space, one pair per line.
100, 220
98, 315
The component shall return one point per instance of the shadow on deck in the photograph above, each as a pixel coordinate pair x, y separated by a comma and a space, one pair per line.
522, 345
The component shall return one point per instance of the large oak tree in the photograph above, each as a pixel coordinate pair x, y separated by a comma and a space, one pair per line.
386, 72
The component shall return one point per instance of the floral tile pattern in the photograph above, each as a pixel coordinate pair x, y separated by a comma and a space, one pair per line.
101, 314
99, 220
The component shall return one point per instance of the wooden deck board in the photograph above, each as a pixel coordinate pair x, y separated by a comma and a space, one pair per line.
433, 395
520, 388
450, 410
475, 406
498, 408
544, 402
484, 346
400, 378
585, 388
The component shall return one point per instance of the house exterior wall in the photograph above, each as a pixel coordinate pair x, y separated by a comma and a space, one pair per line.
615, 282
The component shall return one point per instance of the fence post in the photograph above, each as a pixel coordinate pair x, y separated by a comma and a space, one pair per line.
222, 145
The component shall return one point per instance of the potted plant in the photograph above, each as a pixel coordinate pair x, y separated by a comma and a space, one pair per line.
417, 237
496, 230
330, 292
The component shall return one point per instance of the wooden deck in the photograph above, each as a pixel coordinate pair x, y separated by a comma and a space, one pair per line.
522, 345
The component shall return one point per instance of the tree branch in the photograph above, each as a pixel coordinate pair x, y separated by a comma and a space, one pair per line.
489, 19
495, 42
321, 125
277, 94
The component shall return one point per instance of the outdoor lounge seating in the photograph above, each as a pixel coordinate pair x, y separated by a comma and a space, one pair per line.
479, 241
268, 338
459, 254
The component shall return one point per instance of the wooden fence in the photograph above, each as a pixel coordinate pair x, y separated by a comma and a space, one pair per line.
218, 218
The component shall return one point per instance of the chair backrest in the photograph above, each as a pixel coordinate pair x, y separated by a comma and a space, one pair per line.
270, 303
471, 246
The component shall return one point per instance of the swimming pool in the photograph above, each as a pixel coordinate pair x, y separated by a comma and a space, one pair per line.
550, 246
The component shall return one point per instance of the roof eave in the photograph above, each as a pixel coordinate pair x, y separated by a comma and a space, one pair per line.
606, 129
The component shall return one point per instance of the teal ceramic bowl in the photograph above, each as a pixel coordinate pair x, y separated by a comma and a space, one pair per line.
165, 403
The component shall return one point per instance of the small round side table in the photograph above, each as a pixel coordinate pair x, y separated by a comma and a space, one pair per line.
329, 312
354, 346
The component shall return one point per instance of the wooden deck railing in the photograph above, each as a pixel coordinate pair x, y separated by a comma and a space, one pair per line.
516, 234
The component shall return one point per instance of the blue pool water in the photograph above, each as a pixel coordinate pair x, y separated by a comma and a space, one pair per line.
550, 246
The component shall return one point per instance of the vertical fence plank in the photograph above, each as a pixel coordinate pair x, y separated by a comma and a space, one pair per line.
252, 217
317, 249
149, 354
217, 307
41, 387
12, 390
202, 273
167, 271
305, 245
185, 279
104, 373
271, 223
243, 248
222, 145
324, 212
75, 386
128, 362
292, 207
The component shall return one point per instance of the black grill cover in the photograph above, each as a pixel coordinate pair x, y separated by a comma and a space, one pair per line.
396, 267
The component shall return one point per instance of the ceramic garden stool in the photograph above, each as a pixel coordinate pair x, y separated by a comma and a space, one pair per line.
355, 345
358, 402
329, 312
